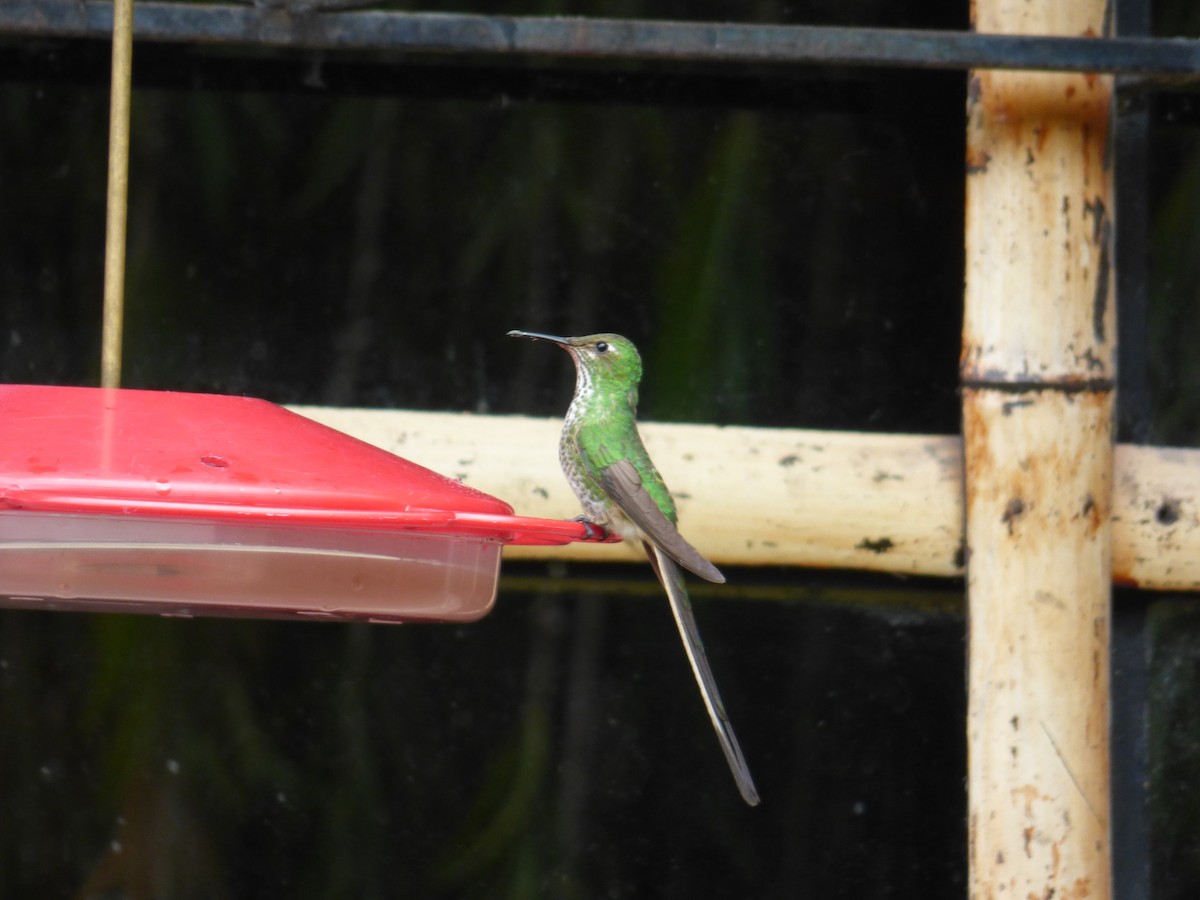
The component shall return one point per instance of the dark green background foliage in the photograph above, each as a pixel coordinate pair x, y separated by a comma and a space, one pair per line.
325, 240
317, 247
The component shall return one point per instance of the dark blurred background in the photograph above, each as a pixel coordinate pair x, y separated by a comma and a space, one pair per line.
786, 249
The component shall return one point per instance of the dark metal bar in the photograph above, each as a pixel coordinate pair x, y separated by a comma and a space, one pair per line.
1132, 145
1129, 727
627, 40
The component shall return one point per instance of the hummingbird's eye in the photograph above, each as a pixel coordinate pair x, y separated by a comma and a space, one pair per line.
602, 347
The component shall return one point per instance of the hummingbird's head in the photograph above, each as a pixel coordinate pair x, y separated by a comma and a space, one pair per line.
606, 358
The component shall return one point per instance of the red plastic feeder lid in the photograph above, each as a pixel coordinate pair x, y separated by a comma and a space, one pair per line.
161, 453
185, 504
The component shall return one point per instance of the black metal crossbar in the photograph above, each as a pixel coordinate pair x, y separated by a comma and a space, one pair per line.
630, 40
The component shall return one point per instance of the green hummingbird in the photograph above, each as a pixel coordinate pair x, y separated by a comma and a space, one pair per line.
610, 471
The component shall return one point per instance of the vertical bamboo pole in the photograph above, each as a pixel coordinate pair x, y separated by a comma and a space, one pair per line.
118, 195
1038, 392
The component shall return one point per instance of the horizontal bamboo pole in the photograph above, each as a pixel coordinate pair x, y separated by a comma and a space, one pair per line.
788, 497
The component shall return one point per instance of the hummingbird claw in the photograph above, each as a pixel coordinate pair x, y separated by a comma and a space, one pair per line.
592, 531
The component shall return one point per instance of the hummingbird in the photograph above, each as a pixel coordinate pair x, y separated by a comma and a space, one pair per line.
621, 491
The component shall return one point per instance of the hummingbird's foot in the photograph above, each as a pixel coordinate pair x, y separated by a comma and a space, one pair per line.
592, 530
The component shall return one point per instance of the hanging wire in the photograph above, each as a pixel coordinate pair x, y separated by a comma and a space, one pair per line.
118, 195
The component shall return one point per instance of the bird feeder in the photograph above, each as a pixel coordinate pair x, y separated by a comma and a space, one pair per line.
200, 504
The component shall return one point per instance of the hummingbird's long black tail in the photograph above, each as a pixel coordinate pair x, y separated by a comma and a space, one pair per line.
671, 576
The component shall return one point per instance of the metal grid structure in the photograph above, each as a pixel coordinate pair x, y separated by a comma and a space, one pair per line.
303, 25
694, 52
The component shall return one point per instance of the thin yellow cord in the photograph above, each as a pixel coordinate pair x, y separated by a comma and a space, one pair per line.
118, 195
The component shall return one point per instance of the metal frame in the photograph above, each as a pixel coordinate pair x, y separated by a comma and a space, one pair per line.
555, 41
625, 40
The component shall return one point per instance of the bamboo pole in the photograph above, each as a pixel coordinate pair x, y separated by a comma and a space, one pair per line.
748, 496
118, 194
791, 497
1038, 375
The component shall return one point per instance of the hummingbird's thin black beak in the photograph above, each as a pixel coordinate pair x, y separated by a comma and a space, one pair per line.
538, 336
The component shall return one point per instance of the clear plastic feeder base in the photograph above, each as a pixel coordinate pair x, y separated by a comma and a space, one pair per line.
182, 568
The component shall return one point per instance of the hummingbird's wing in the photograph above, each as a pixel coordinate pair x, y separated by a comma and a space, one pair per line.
681, 607
622, 482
